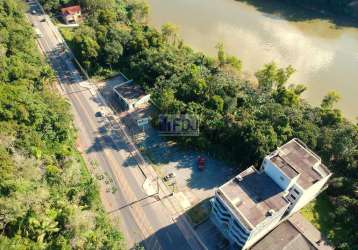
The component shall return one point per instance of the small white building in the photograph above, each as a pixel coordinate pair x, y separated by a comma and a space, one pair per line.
253, 203
130, 95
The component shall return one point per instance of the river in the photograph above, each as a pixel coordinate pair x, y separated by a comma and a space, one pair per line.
324, 55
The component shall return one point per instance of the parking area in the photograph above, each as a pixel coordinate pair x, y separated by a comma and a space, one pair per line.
190, 184
167, 157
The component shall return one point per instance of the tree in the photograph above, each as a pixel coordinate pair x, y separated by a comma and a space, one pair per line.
138, 10
170, 32
221, 53
87, 46
113, 49
216, 103
330, 99
271, 76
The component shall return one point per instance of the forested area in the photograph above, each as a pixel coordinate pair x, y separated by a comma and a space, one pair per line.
240, 120
48, 200
340, 7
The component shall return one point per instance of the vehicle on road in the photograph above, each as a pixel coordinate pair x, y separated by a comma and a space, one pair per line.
34, 12
169, 176
38, 33
98, 114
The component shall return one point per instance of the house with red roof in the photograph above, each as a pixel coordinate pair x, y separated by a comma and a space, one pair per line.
71, 14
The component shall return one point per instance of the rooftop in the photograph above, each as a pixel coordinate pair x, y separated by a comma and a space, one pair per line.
71, 10
251, 195
295, 158
284, 237
129, 91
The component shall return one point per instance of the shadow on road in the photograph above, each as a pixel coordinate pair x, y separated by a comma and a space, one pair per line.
165, 238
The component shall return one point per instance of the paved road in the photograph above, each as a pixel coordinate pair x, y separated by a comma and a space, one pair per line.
143, 219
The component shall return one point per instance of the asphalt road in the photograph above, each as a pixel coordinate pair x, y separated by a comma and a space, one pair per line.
142, 219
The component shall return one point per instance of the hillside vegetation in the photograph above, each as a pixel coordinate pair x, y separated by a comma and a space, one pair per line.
48, 200
240, 121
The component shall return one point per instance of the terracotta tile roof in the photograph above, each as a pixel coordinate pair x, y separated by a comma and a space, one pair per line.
71, 10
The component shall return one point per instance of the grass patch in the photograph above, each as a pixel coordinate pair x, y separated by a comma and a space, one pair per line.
199, 213
107, 74
320, 213
69, 35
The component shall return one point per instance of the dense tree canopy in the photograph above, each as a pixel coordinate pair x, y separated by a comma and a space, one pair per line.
48, 200
240, 120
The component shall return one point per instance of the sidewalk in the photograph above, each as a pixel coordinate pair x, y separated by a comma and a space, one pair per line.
153, 185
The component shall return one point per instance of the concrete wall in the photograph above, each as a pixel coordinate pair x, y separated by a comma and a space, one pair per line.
309, 194
142, 100
264, 227
276, 174
72, 18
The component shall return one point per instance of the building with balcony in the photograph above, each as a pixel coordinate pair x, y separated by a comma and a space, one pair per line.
253, 203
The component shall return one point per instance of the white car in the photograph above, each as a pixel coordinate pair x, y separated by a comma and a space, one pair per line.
38, 33
33, 12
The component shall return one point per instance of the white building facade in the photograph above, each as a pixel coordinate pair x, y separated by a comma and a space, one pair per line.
249, 206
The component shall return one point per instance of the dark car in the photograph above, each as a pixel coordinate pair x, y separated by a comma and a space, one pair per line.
169, 176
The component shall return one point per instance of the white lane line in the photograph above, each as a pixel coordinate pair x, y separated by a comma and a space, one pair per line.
169, 237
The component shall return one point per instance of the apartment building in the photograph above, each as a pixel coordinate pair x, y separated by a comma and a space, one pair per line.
253, 203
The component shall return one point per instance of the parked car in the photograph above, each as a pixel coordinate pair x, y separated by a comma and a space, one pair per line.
201, 163
169, 176
38, 33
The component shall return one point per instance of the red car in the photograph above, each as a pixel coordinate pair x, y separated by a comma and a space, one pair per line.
201, 163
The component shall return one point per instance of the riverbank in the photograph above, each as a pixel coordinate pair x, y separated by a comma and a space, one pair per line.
323, 55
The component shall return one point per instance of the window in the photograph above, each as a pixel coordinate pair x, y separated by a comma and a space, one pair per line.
225, 219
296, 191
293, 197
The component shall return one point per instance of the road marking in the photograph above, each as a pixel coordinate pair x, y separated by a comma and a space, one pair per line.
121, 182
169, 237
59, 62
